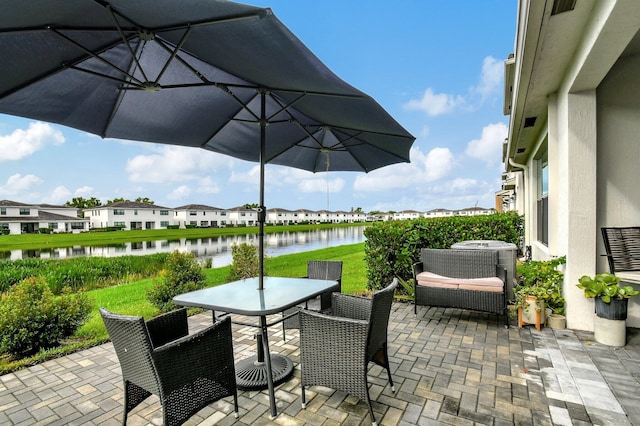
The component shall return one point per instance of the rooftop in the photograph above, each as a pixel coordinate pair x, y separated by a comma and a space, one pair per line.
449, 366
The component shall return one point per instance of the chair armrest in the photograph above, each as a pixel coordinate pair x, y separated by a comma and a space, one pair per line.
349, 306
168, 327
207, 354
417, 268
501, 273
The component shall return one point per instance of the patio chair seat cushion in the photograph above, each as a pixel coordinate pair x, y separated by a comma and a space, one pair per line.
430, 279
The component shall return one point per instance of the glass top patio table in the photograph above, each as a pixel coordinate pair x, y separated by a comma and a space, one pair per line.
244, 298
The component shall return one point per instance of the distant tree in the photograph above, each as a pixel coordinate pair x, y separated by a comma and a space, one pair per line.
116, 200
374, 212
251, 205
145, 200
83, 203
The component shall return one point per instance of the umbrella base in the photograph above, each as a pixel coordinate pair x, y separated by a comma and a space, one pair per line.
251, 374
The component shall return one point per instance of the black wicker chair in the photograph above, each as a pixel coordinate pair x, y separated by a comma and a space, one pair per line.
318, 269
335, 350
622, 245
187, 372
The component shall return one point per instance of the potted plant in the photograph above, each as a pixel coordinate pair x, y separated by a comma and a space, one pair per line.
611, 302
611, 299
539, 287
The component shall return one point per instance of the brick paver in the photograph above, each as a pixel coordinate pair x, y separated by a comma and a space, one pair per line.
449, 366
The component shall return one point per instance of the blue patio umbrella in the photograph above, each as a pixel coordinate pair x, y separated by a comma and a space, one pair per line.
212, 74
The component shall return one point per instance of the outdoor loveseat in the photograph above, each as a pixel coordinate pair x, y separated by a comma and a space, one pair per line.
464, 279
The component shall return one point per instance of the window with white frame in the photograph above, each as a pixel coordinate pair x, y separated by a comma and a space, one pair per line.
542, 203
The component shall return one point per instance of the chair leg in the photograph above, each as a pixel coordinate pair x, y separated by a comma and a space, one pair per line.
381, 357
373, 418
236, 410
304, 399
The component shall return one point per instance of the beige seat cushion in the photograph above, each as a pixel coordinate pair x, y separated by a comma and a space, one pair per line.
430, 279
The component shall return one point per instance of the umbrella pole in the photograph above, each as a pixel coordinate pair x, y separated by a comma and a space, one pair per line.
262, 211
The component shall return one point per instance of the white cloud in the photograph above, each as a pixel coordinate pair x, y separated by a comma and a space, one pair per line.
207, 185
84, 191
437, 164
322, 185
17, 184
23, 143
489, 147
435, 104
490, 78
59, 195
175, 164
179, 193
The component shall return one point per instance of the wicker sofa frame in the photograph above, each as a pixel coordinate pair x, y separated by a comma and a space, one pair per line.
461, 264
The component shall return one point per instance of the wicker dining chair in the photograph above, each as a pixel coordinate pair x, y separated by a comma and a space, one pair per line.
321, 270
187, 372
335, 350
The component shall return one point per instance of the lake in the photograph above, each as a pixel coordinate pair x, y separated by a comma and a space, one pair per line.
216, 248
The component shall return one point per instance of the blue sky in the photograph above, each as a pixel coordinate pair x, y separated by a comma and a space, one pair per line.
436, 66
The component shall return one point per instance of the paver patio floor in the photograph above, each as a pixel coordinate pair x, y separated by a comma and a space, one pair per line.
449, 366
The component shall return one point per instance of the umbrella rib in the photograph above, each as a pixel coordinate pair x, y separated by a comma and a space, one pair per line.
174, 54
126, 41
94, 55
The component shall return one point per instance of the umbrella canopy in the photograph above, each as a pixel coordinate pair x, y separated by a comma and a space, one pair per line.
214, 74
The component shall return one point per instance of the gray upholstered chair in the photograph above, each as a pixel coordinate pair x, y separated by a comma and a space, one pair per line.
335, 350
187, 372
321, 270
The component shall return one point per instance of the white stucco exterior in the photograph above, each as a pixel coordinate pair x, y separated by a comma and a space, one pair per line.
576, 74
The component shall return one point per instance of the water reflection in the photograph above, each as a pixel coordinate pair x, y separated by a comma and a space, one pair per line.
216, 248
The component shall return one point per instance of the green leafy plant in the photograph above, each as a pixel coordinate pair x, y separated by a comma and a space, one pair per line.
543, 280
32, 318
182, 274
606, 286
409, 290
245, 262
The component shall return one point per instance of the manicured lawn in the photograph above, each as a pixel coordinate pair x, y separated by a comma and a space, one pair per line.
130, 299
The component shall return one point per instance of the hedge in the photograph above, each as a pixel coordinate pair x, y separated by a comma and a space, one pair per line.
392, 247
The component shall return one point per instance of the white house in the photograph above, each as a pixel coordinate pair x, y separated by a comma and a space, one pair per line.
439, 213
242, 216
22, 218
407, 215
573, 96
130, 215
277, 216
200, 215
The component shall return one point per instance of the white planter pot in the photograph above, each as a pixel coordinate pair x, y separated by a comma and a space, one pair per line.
610, 332
557, 321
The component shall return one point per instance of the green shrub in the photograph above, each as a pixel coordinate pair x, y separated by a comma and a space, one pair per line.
182, 273
245, 263
392, 247
33, 318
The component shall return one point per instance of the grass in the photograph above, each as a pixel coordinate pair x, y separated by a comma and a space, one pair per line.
130, 299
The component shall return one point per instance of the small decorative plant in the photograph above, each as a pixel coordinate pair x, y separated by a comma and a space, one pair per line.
605, 286
543, 280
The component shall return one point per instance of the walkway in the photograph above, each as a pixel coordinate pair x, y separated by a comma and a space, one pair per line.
450, 367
